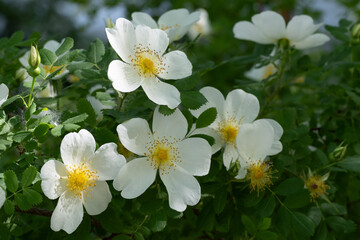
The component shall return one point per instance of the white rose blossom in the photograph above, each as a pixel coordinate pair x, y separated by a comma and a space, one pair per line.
142, 50
4, 93
176, 23
167, 150
269, 27
80, 180
201, 27
237, 109
2, 197
255, 142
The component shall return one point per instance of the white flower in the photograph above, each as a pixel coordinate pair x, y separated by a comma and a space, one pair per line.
255, 141
2, 197
166, 149
269, 27
142, 50
238, 108
4, 93
176, 23
80, 179
202, 27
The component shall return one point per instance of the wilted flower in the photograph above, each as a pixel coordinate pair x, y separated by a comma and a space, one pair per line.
316, 185
255, 142
176, 23
4, 93
142, 50
269, 27
166, 149
80, 180
201, 27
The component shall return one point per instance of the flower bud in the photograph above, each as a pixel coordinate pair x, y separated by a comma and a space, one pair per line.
109, 23
234, 168
20, 74
339, 153
34, 58
34, 72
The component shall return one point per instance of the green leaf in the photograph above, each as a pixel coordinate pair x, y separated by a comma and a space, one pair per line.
220, 200
192, 100
32, 196
16, 38
65, 46
158, 221
96, 51
189, 118
76, 119
11, 180
138, 236
22, 136
165, 110
70, 127
341, 225
58, 130
41, 130
264, 224
206, 118
248, 223
289, 186
29, 112
351, 163
298, 199
266, 206
79, 65
188, 83
28, 176
84, 106
9, 207
104, 135
22, 202
266, 235
10, 100
321, 232
47, 56
208, 138
302, 224
333, 209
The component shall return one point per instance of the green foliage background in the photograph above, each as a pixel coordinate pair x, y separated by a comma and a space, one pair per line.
318, 115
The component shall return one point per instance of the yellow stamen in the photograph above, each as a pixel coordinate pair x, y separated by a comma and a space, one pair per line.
316, 186
259, 175
81, 180
269, 70
228, 130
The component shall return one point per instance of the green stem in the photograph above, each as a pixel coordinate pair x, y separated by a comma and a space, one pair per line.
31, 92
122, 101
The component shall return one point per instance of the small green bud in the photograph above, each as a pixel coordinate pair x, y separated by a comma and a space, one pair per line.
234, 168
34, 72
339, 153
109, 23
34, 58
20, 74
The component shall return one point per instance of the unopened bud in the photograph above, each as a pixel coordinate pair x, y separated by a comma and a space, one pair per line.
234, 168
34, 58
20, 74
34, 72
109, 23
339, 153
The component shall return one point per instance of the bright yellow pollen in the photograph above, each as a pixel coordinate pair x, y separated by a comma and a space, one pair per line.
51, 69
316, 186
228, 130
163, 154
80, 180
147, 66
259, 175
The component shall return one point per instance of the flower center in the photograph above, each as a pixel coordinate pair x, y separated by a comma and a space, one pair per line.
269, 70
80, 180
163, 154
316, 186
51, 69
259, 175
147, 62
228, 130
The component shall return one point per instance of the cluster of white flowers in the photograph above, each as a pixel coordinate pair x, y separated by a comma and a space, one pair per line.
80, 179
